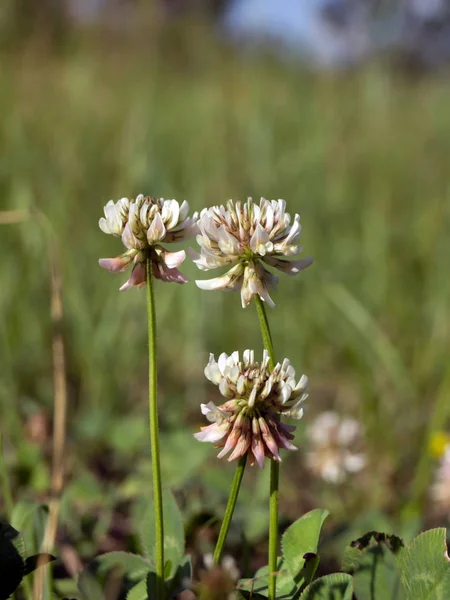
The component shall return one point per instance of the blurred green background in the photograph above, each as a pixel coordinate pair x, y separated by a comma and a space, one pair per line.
174, 111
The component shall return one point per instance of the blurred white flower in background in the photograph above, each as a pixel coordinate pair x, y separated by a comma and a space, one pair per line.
333, 443
440, 489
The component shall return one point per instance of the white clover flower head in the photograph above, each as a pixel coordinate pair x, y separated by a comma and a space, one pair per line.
333, 441
142, 224
249, 421
248, 237
440, 489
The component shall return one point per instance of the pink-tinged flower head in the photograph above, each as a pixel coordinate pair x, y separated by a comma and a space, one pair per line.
335, 447
249, 421
250, 237
142, 224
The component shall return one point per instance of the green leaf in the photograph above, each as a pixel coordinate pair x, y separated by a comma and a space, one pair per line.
12, 567
37, 560
338, 586
302, 538
127, 569
133, 566
372, 560
89, 587
138, 592
286, 586
31, 519
425, 567
173, 530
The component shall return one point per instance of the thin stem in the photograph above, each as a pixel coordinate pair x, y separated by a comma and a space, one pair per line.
5, 483
274, 465
265, 331
154, 435
273, 527
229, 509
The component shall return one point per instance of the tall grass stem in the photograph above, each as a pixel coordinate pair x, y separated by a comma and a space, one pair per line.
218, 552
154, 434
274, 465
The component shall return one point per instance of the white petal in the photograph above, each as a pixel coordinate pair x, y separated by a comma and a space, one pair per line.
174, 213
157, 230
231, 280
173, 259
249, 357
184, 211
227, 242
222, 362
103, 224
225, 389
259, 240
240, 386
212, 433
212, 371
285, 392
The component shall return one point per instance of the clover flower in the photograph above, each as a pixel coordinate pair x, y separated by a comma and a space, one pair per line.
142, 224
249, 421
249, 237
440, 490
333, 440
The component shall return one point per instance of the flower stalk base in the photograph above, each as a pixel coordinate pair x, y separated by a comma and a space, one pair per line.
154, 434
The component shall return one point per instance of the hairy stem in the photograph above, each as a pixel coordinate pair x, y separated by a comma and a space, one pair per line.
154, 434
274, 465
234, 492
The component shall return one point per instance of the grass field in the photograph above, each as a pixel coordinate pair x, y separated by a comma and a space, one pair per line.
362, 156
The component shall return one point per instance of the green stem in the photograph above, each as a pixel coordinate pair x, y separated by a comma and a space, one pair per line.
273, 527
154, 435
274, 465
265, 331
229, 509
5, 483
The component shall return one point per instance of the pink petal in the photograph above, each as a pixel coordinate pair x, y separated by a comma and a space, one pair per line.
162, 272
268, 438
257, 445
114, 265
138, 277
290, 267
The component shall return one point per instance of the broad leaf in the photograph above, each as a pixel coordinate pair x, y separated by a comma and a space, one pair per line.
338, 586
133, 566
138, 592
425, 567
173, 530
12, 566
300, 539
125, 568
89, 587
31, 519
372, 560
286, 586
